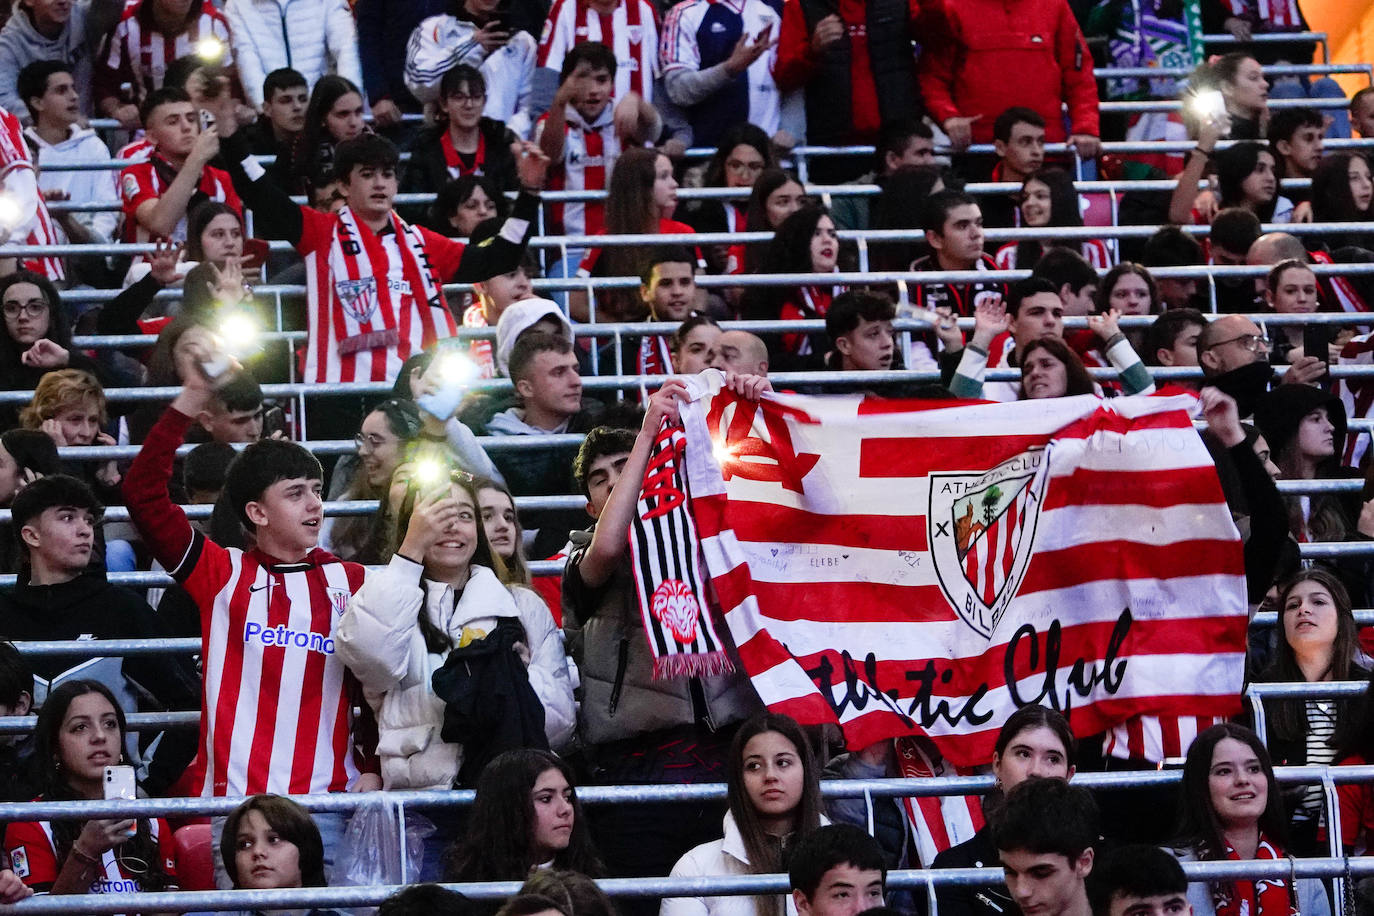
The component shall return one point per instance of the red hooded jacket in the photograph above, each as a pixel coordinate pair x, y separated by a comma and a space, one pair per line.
993, 54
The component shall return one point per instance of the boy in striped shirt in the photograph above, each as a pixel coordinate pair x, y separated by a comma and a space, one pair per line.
277, 706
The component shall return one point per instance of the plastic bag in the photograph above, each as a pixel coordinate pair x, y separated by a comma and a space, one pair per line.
371, 853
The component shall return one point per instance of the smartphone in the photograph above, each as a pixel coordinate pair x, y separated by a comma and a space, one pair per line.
1316, 341
273, 421
119, 783
207, 120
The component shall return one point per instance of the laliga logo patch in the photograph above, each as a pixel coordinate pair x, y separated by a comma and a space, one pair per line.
19, 861
358, 297
981, 527
676, 608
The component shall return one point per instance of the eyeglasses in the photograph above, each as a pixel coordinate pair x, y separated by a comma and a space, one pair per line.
1255, 343
464, 99
30, 309
370, 441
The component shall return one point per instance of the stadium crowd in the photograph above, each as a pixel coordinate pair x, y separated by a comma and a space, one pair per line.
205, 199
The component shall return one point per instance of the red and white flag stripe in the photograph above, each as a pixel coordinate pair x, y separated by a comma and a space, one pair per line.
830, 528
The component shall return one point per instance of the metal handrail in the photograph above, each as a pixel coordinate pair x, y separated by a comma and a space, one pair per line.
869, 236
344, 802
725, 885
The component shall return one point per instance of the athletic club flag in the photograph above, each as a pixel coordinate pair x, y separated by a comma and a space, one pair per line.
923, 567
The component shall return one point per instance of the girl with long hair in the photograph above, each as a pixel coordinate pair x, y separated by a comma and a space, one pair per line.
640, 200
37, 337
502, 524
335, 114
1035, 742
805, 243
1319, 642
1291, 289
1246, 179
776, 196
441, 591
381, 443
1244, 95
1049, 200
80, 732
526, 816
774, 795
1341, 193
1305, 428
1230, 810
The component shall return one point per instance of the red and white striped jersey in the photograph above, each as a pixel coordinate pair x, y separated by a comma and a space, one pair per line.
373, 298
589, 154
277, 706
33, 857
138, 150
138, 54
630, 31
1156, 739
14, 157
1094, 251
147, 180
276, 712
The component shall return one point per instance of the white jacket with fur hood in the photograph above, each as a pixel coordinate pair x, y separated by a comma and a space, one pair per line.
379, 639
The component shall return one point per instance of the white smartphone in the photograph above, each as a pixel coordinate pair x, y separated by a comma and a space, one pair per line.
120, 783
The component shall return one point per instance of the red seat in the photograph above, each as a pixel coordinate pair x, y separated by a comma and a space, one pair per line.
195, 847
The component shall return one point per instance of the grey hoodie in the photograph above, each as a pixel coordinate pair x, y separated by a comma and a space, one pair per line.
21, 44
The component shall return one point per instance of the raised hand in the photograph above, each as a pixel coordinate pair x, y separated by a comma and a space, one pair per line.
744, 53
1222, 416
162, 263
990, 318
1105, 325
531, 165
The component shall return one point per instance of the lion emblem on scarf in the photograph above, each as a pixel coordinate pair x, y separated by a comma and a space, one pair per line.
674, 606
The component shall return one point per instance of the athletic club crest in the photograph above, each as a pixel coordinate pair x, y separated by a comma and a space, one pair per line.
358, 297
981, 526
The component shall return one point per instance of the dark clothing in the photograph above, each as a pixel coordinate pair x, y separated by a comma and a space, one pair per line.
489, 705
89, 607
427, 170
863, 81
262, 140
384, 28
963, 900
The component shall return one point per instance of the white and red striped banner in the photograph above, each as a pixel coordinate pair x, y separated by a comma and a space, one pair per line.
921, 567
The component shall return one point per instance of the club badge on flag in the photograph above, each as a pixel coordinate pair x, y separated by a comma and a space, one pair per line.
981, 527
925, 568
668, 578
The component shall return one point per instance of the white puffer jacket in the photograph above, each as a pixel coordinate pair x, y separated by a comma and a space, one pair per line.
313, 37
379, 639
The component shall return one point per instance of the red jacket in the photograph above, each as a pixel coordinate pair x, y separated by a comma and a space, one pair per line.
983, 42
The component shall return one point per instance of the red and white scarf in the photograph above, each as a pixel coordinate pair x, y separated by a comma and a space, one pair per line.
654, 355
368, 313
454, 160
1265, 897
479, 350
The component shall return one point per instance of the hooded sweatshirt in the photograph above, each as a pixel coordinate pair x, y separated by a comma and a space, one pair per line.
90, 608
81, 145
21, 44
518, 318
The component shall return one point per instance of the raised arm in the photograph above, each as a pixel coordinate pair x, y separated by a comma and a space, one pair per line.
161, 522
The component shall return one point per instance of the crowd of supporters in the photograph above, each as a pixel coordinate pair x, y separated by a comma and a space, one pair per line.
267, 145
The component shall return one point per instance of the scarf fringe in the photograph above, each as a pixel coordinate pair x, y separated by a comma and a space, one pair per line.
710, 664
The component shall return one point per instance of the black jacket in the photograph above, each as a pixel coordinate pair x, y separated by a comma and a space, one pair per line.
89, 607
964, 900
427, 172
489, 705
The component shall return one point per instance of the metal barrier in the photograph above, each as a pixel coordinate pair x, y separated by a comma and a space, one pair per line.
729, 885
